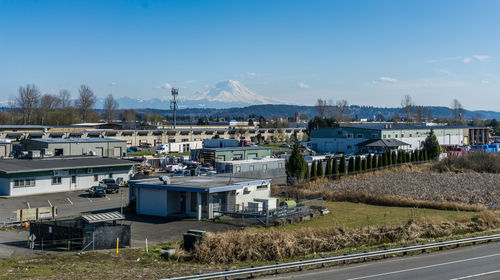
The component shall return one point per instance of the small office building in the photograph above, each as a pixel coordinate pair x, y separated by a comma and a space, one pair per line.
253, 168
199, 197
105, 147
213, 155
34, 176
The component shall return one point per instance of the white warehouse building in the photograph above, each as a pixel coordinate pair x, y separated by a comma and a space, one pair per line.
35, 176
199, 197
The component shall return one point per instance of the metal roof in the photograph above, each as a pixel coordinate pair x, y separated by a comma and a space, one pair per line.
9, 166
77, 140
103, 217
237, 148
383, 143
383, 126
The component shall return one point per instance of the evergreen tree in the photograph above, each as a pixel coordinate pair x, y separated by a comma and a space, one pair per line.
408, 157
369, 161
296, 166
426, 155
357, 164
335, 168
431, 145
413, 159
375, 161
389, 158
319, 173
364, 164
383, 161
342, 167
307, 176
394, 157
350, 165
328, 171
314, 171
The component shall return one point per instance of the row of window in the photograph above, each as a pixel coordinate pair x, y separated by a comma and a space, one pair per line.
252, 167
360, 136
24, 183
395, 136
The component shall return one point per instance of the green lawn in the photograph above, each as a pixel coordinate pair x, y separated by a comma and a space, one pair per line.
355, 215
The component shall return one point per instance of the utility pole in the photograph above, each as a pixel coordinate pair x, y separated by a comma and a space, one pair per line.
173, 104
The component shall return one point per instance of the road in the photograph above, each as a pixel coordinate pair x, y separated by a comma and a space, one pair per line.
480, 262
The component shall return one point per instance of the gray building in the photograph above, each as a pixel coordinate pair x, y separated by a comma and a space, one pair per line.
105, 147
198, 197
35, 176
253, 168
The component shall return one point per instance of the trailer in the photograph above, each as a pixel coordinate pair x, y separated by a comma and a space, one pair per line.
179, 147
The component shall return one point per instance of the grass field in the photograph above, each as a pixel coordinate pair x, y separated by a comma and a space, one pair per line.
355, 215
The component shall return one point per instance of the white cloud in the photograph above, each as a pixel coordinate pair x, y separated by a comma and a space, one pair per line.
252, 74
385, 80
467, 60
444, 59
481, 58
164, 86
113, 84
302, 85
486, 82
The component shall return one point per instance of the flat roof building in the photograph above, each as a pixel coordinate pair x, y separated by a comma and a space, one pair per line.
213, 155
106, 147
35, 176
198, 197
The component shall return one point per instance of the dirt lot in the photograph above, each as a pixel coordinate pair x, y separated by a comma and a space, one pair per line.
471, 187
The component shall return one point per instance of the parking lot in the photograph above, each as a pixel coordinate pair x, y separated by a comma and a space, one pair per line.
67, 203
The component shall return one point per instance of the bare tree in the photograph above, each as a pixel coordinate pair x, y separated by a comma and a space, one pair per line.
48, 104
457, 111
110, 106
321, 106
407, 105
28, 100
85, 101
342, 108
65, 97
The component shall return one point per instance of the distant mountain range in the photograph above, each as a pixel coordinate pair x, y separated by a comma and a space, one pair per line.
225, 94
276, 110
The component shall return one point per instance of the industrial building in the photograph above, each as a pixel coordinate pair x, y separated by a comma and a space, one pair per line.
253, 168
5, 148
347, 139
77, 146
213, 155
199, 197
35, 176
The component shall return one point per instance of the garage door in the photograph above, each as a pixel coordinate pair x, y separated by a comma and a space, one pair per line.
152, 202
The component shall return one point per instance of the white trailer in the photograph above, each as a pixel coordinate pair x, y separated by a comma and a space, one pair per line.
179, 147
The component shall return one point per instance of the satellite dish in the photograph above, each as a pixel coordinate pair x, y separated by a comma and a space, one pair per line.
165, 180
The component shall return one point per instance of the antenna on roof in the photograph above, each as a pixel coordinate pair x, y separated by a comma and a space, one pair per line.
173, 104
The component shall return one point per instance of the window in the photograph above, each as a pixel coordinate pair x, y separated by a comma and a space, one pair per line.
111, 175
349, 135
238, 169
388, 136
73, 179
339, 132
396, 136
402, 135
56, 180
264, 167
360, 136
262, 187
385, 136
410, 134
349, 147
24, 183
96, 177
280, 165
252, 167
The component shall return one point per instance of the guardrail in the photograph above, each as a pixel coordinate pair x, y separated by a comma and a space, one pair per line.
322, 261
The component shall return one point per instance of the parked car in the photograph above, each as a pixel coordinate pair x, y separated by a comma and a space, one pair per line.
204, 171
112, 188
96, 191
175, 167
105, 182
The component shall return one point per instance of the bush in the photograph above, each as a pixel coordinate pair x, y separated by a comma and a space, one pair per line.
474, 161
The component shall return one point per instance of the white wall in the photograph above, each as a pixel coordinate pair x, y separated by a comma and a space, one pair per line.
43, 184
242, 198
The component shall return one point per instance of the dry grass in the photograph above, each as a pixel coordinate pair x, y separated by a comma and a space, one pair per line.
473, 161
411, 187
274, 244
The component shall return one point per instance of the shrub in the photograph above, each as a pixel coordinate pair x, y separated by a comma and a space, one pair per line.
473, 161
335, 168
319, 173
342, 167
350, 165
358, 164
314, 171
328, 171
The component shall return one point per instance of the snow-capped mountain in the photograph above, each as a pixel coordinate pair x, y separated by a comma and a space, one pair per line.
231, 91
224, 94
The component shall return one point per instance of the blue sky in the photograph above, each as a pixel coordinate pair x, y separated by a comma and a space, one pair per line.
367, 52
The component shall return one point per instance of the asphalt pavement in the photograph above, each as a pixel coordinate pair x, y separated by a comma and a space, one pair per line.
480, 262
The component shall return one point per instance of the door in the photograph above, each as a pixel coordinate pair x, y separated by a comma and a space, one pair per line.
182, 201
152, 202
74, 182
99, 151
118, 151
2, 151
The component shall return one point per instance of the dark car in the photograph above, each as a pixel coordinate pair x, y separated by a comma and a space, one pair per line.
105, 182
112, 188
97, 191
